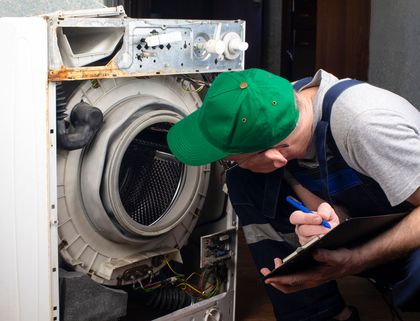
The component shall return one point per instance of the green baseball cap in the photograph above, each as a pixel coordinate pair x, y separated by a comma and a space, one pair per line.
243, 112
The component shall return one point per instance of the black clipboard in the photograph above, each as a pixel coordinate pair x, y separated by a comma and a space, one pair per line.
348, 234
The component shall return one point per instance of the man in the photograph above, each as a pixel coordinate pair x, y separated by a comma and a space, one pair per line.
352, 144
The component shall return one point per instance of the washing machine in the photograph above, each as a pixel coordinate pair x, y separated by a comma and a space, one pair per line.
100, 221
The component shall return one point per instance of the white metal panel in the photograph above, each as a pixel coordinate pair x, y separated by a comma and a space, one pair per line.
25, 269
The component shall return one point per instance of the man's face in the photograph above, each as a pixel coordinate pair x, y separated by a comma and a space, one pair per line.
262, 162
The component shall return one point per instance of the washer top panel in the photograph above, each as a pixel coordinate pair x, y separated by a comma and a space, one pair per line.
104, 43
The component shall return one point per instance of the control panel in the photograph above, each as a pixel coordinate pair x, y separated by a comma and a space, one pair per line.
217, 247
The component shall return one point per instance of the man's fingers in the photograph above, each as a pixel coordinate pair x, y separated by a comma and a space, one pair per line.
299, 218
325, 211
277, 262
311, 230
265, 271
289, 284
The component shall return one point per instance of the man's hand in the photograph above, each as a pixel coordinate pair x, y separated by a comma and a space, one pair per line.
309, 225
333, 265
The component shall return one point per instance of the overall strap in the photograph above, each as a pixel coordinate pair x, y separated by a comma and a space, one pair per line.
301, 83
323, 130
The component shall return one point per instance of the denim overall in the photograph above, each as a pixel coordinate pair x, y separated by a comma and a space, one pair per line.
259, 202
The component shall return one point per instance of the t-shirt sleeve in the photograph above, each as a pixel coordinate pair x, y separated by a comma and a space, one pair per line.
385, 147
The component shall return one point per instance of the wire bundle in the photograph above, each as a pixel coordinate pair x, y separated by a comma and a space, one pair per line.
179, 291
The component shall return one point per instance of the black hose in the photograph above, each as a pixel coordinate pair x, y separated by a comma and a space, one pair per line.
169, 299
85, 121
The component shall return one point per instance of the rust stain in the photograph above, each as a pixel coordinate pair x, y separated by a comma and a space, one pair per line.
111, 70
108, 71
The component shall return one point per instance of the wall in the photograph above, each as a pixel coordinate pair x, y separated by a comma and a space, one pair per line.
395, 47
20, 8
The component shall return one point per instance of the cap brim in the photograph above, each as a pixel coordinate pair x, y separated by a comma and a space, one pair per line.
189, 145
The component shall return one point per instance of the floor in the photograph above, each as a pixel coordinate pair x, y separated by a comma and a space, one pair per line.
357, 291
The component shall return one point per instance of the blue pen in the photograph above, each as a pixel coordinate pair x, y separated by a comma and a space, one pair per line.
302, 208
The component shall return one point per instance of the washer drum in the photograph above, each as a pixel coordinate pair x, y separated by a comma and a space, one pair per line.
124, 202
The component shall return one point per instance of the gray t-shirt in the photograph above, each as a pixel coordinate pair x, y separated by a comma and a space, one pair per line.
376, 131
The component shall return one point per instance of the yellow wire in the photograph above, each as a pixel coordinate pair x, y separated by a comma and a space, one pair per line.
170, 267
215, 289
194, 273
191, 287
184, 283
